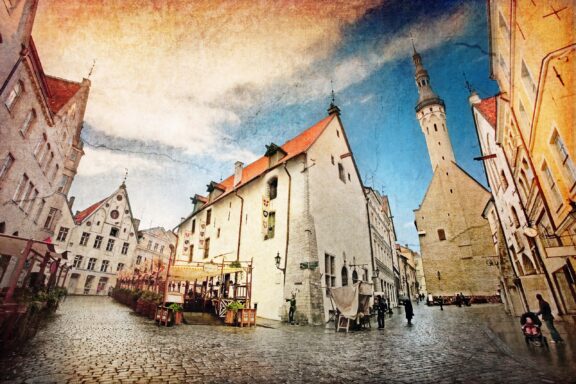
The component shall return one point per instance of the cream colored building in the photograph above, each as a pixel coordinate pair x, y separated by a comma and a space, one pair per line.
455, 240
408, 282
41, 119
420, 278
303, 201
383, 238
533, 49
101, 240
153, 250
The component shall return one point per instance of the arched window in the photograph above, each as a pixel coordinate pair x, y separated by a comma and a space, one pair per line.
344, 276
273, 188
354, 277
503, 180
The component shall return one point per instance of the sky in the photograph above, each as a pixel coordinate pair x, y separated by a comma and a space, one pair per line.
183, 89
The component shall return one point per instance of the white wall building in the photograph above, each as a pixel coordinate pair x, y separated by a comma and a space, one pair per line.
304, 201
153, 250
101, 240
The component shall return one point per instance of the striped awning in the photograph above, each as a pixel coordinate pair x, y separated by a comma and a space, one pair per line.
192, 272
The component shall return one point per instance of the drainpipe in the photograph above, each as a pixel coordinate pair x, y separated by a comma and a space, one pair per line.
240, 226
287, 220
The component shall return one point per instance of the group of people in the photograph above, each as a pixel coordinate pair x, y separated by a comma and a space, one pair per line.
381, 307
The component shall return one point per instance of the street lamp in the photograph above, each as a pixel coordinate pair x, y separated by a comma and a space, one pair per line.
277, 259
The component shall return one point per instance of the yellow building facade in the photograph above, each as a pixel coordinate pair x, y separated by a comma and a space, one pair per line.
533, 60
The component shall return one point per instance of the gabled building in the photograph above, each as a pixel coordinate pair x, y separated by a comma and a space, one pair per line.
455, 240
41, 119
302, 202
101, 240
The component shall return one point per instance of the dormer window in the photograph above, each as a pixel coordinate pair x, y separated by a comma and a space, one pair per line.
114, 232
274, 154
273, 188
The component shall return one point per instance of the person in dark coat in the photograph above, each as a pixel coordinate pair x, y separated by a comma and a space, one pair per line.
409, 311
381, 309
546, 313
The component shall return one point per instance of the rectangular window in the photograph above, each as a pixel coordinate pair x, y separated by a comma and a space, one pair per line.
138, 260
13, 95
40, 209
31, 200
193, 225
84, 238
149, 246
26, 198
125, 248
78, 261
341, 172
98, 242
551, 181
206, 248
527, 80
20, 188
120, 267
6, 165
564, 157
191, 254
104, 266
208, 216
162, 249
62, 234
441, 235
114, 232
155, 247
91, 264
329, 268
30, 117
271, 225
110, 245
50, 219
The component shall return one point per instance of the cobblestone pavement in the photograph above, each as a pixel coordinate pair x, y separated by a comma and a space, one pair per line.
93, 339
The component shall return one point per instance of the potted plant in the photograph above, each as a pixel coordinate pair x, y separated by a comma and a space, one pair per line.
177, 314
231, 310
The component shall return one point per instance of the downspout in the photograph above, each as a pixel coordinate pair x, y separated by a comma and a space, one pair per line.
287, 220
240, 226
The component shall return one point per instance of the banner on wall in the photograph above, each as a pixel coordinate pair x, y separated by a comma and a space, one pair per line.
202, 235
265, 212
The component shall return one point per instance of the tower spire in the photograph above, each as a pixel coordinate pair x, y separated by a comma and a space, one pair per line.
333, 108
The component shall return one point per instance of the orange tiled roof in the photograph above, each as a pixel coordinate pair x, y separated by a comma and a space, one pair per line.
60, 91
487, 107
82, 215
293, 148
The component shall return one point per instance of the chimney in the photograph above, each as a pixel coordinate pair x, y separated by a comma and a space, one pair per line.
238, 166
71, 201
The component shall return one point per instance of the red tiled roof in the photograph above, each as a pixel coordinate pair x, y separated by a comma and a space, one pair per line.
487, 107
82, 215
60, 91
293, 148
57, 91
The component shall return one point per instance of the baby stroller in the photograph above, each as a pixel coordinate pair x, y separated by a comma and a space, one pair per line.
531, 328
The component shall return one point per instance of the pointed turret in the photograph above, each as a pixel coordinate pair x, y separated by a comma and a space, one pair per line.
426, 95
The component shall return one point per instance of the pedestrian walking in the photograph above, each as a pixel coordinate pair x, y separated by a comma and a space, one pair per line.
546, 313
441, 303
292, 310
381, 309
409, 310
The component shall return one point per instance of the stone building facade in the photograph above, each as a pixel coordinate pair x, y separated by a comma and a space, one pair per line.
302, 201
153, 250
101, 240
41, 119
455, 240
409, 286
533, 49
383, 237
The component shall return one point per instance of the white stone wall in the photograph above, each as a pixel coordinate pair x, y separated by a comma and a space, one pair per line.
100, 223
432, 120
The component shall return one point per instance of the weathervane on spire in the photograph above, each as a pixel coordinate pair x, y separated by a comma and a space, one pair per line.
468, 85
412, 39
333, 109
125, 177
92, 69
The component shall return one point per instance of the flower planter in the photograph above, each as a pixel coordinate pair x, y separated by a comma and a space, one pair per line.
177, 316
246, 317
230, 316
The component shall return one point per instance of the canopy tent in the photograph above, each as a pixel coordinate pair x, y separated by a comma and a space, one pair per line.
201, 271
15, 246
352, 300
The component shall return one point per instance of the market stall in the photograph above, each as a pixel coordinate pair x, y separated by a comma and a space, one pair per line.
352, 303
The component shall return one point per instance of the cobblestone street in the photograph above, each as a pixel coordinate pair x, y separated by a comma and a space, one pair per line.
93, 339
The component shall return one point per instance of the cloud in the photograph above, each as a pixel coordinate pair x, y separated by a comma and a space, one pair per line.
408, 224
101, 161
